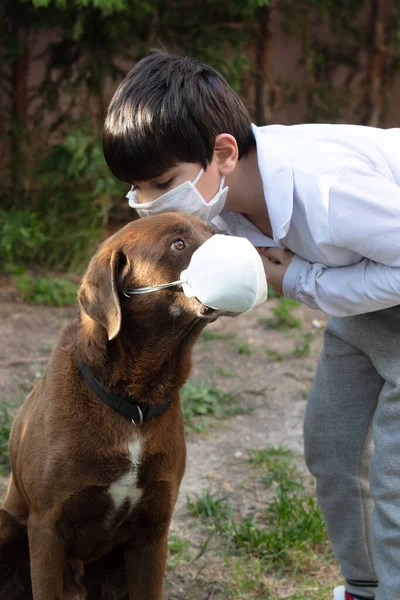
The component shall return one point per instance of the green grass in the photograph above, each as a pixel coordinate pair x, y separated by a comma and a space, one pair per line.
213, 336
51, 290
274, 458
47, 348
304, 393
246, 580
209, 506
295, 517
224, 372
273, 294
202, 403
283, 317
289, 528
244, 348
275, 355
303, 347
178, 551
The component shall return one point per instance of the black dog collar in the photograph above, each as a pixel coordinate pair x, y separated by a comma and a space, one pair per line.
130, 408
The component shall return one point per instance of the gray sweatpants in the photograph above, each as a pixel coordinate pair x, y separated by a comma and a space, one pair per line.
352, 447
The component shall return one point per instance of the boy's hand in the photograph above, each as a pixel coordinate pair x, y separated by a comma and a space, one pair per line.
275, 261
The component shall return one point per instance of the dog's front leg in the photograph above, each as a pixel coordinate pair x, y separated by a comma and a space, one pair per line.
145, 567
46, 549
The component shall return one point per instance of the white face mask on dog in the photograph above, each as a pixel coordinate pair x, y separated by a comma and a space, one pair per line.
225, 273
185, 197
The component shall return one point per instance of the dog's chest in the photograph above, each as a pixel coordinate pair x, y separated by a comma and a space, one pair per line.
125, 489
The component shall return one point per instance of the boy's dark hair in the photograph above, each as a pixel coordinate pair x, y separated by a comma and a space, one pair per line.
169, 109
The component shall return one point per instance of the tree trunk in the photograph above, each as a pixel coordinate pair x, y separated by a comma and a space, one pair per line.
377, 55
262, 51
19, 104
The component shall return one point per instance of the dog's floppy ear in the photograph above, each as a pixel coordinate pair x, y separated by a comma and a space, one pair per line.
98, 294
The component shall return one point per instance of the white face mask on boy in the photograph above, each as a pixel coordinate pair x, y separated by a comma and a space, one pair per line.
185, 197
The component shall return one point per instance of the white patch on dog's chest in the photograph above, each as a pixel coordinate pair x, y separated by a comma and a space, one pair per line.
175, 311
126, 488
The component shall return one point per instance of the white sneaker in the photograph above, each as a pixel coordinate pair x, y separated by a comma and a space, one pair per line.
340, 593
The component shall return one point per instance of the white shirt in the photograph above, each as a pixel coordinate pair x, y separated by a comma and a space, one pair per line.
333, 198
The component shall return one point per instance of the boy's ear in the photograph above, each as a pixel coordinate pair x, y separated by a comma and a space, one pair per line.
98, 294
226, 152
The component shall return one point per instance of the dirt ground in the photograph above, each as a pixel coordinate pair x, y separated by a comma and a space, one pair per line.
255, 363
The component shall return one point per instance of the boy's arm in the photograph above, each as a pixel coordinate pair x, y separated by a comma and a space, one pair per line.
364, 218
343, 291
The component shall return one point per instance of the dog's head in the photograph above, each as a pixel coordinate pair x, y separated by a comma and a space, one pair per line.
147, 252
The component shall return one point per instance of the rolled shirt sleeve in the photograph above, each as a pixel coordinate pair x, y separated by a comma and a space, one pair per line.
364, 216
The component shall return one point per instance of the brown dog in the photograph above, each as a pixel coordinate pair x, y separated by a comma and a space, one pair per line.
93, 490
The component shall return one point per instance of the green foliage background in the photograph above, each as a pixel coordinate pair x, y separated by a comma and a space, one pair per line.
56, 194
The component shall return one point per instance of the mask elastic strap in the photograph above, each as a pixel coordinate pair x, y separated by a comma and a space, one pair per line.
221, 185
198, 176
152, 288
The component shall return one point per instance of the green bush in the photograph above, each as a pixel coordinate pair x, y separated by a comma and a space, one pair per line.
76, 194
74, 191
21, 236
40, 290
6, 420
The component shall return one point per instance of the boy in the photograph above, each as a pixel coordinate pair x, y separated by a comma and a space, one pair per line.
323, 203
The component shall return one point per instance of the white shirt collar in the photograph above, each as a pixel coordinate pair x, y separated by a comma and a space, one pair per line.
275, 165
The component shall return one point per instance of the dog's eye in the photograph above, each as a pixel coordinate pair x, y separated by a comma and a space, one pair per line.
178, 245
